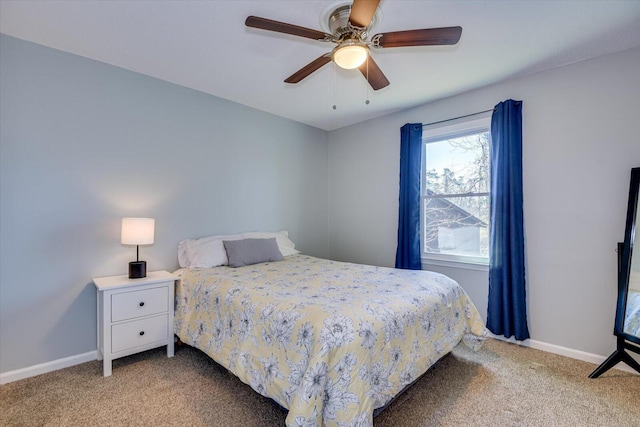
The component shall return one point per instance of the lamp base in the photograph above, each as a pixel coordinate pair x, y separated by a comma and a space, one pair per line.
137, 269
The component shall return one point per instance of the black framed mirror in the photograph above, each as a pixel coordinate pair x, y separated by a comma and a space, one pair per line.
627, 324
628, 309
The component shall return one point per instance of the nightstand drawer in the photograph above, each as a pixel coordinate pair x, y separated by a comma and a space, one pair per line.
129, 305
138, 332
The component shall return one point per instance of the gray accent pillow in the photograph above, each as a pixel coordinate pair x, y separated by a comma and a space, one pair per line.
251, 251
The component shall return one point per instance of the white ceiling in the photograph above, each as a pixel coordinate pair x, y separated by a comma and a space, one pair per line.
205, 45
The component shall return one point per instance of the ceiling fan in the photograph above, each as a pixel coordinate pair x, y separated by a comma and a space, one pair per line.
349, 26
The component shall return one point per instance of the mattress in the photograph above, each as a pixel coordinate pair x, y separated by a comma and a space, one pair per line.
328, 341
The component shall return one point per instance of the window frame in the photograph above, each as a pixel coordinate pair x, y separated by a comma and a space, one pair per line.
435, 133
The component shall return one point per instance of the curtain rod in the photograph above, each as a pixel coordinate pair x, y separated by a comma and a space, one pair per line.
460, 117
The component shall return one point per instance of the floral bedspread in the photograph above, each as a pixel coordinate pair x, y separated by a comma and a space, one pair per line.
329, 341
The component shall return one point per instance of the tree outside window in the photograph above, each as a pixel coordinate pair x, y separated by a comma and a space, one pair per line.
455, 188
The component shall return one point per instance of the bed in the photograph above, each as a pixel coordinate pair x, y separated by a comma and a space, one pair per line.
328, 341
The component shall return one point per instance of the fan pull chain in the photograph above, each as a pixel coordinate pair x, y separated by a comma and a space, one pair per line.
334, 86
368, 85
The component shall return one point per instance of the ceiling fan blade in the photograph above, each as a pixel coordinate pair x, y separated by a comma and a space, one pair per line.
425, 37
362, 12
282, 27
314, 65
374, 74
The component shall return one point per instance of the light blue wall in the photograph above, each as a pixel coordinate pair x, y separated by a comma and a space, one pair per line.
581, 133
84, 144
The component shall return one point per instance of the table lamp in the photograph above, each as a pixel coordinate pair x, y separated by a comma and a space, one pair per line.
137, 231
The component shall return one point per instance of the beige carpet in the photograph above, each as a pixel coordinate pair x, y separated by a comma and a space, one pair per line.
501, 385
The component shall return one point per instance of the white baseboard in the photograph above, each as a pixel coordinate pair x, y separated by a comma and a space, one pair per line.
43, 368
565, 351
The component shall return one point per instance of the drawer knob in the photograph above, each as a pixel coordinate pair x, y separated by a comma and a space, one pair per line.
141, 333
142, 304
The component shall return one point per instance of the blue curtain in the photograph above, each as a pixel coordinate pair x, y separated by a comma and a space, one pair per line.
408, 252
507, 309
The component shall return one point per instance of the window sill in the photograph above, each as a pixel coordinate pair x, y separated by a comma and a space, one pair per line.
466, 265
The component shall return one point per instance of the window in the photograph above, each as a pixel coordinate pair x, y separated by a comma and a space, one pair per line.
455, 192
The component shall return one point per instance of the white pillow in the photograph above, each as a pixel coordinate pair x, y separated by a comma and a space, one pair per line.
183, 258
205, 252
286, 246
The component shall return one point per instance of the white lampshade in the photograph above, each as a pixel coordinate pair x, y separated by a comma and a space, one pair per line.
350, 55
137, 231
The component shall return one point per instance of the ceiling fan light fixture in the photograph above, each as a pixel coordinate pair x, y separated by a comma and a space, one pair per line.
350, 54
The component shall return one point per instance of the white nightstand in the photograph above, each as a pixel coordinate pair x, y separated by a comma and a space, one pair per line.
134, 315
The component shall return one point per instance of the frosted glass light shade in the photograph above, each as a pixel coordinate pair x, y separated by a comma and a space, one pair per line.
137, 231
350, 55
